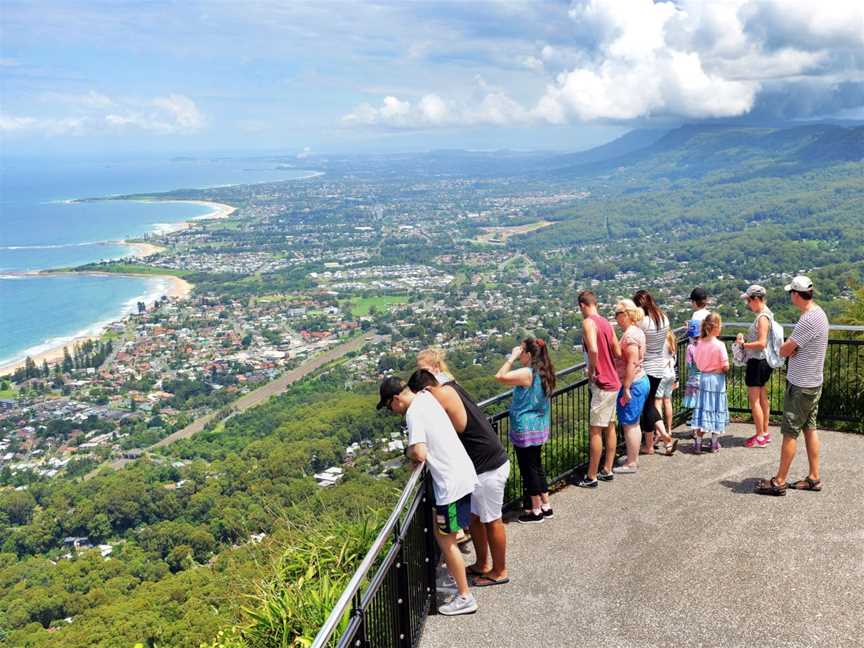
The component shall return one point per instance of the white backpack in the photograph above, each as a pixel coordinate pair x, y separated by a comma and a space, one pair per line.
773, 344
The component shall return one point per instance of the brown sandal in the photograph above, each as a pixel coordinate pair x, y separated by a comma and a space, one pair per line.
770, 487
807, 484
671, 448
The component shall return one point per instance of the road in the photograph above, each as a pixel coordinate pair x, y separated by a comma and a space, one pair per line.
258, 396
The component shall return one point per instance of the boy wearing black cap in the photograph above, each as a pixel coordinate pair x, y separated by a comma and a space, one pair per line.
432, 438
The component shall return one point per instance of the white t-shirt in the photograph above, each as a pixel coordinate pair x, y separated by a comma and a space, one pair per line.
698, 316
452, 471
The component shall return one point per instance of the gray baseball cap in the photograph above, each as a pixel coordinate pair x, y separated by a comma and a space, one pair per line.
754, 291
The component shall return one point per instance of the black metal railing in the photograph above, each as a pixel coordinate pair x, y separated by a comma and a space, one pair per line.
842, 398
388, 607
567, 448
393, 590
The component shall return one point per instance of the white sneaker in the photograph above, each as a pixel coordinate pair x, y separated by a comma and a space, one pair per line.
624, 470
459, 605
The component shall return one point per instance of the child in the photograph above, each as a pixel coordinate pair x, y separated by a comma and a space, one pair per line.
711, 413
668, 384
699, 300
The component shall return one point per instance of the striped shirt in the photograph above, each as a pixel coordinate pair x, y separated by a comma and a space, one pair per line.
811, 335
655, 340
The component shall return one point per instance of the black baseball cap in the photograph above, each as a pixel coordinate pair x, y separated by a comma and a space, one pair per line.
698, 294
390, 387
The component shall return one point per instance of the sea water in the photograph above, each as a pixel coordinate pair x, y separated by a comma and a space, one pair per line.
42, 228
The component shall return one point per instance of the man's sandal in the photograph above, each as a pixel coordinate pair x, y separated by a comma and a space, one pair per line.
770, 487
807, 484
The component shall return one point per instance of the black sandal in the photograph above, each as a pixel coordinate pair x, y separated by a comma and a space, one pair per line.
807, 484
770, 487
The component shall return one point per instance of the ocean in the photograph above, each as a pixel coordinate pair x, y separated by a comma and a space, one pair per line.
40, 229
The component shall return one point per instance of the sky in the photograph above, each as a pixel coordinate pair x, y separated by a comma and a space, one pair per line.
328, 76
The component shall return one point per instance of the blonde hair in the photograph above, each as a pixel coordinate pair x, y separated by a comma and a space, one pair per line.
635, 313
671, 341
434, 357
712, 322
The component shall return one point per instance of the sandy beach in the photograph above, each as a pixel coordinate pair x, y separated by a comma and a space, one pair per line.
142, 250
175, 288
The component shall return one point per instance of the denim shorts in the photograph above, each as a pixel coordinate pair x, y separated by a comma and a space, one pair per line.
631, 412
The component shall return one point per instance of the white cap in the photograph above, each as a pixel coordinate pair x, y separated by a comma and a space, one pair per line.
800, 284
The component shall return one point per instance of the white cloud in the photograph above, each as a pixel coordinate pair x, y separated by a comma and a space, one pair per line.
96, 113
644, 58
432, 111
13, 123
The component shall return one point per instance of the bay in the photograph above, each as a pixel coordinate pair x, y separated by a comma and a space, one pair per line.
41, 228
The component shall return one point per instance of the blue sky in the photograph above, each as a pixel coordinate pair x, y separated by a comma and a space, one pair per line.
332, 76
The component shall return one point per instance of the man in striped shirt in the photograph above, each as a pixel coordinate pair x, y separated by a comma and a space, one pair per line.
805, 348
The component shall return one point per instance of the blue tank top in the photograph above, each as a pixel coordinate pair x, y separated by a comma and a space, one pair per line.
529, 415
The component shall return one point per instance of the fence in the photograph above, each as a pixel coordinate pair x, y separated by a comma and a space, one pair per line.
842, 398
393, 590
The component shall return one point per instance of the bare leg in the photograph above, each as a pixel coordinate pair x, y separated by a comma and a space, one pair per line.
453, 559
497, 535
787, 454
632, 437
482, 561
611, 444
754, 396
811, 438
661, 432
667, 413
595, 449
766, 410
649, 443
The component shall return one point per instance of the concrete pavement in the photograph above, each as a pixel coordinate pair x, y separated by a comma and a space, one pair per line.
684, 554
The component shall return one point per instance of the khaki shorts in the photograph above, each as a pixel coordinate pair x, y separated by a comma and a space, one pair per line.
602, 411
800, 407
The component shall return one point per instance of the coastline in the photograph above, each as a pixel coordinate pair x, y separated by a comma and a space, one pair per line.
174, 288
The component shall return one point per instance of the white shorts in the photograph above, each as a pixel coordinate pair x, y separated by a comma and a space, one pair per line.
602, 409
666, 387
488, 496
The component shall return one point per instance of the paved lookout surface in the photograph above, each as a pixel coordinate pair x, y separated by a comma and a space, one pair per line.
684, 554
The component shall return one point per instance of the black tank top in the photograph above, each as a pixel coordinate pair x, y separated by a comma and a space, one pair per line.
479, 438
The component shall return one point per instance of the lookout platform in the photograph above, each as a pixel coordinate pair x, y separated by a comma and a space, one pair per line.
684, 554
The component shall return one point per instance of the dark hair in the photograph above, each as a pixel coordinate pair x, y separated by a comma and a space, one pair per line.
699, 297
645, 301
804, 294
421, 379
587, 298
541, 363
711, 321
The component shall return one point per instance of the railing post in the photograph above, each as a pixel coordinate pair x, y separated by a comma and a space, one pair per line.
403, 595
361, 640
431, 544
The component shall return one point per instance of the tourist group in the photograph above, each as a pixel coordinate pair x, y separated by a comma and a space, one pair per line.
631, 380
